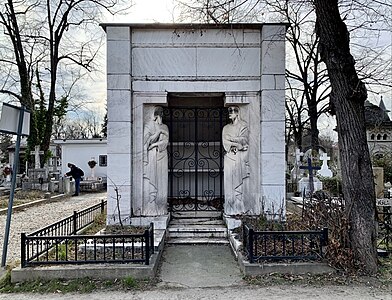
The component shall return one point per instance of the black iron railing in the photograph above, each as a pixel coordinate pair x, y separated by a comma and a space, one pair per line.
88, 249
72, 224
58, 243
283, 245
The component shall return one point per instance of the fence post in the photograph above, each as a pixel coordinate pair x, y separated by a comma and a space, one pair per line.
325, 236
23, 250
147, 241
102, 206
152, 237
74, 222
250, 246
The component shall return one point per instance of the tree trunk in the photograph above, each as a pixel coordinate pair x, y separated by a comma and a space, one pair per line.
348, 96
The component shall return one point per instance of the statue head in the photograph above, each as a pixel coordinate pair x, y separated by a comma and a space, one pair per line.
158, 114
234, 112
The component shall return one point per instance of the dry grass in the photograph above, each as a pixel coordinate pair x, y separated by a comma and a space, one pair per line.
22, 197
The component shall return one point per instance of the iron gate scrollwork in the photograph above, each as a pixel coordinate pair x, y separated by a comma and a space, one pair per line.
195, 157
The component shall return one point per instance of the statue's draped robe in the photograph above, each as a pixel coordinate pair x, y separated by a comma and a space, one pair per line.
155, 173
236, 166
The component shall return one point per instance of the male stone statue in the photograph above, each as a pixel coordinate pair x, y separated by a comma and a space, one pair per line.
155, 161
235, 138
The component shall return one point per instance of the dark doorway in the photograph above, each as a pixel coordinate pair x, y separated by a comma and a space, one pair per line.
195, 151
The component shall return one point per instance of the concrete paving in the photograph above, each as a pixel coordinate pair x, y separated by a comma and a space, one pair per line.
191, 266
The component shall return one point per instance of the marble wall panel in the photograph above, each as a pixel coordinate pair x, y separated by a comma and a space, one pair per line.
272, 137
119, 169
179, 37
118, 33
118, 57
274, 199
119, 105
228, 62
124, 203
160, 62
273, 82
273, 57
273, 32
273, 105
119, 139
119, 82
273, 168
197, 86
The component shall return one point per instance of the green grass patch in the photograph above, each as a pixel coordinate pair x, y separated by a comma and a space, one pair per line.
82, 285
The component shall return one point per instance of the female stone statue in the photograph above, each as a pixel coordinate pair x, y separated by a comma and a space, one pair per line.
235, 138
155, 176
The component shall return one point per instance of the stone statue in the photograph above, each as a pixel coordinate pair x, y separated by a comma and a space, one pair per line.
235, 138
155, 161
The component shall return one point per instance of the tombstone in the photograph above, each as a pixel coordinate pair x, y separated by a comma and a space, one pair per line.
378, 173
295, 171
195, 73
325, 171
310, 184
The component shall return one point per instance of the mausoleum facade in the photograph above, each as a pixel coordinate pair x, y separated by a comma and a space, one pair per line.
195, 112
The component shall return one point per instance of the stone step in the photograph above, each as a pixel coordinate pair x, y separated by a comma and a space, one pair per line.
193, 241
196, 221
213, 227
197, 231
196, 214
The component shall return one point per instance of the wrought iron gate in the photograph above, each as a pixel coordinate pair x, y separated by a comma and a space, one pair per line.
195, 157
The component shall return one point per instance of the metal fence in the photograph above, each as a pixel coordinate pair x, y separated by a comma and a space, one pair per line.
72, 224
58, 243
283, 245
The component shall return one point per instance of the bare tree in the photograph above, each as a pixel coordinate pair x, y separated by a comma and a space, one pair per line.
348, 96
49, 38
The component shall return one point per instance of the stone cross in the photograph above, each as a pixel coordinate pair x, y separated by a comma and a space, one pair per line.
298, 154
325, 171
310, 168
36, 154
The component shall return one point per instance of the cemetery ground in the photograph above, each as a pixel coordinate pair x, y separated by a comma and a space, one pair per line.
178, 278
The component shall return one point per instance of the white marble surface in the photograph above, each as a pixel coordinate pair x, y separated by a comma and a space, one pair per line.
118, 82
119, 105
234, 62
273, 167
273, 108
119, 168
272, 134
119, 139
194, 86
195, 62
212, 37
273, 33
272, 57
124, 203
118, 33
118, 57
273, 82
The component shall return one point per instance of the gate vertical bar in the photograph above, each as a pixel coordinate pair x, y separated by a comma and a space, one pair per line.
221, 156
171, 175
196, 159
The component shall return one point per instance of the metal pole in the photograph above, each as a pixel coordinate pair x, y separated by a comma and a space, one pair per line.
12, 191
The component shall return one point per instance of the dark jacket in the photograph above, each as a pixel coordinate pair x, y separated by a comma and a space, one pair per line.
75, 172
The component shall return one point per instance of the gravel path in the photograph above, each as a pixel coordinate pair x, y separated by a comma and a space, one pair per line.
37, 217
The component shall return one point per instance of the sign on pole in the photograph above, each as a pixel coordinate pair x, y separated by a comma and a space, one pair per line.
10, 119
14, 120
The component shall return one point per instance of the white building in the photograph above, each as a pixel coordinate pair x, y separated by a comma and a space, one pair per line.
80, 152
